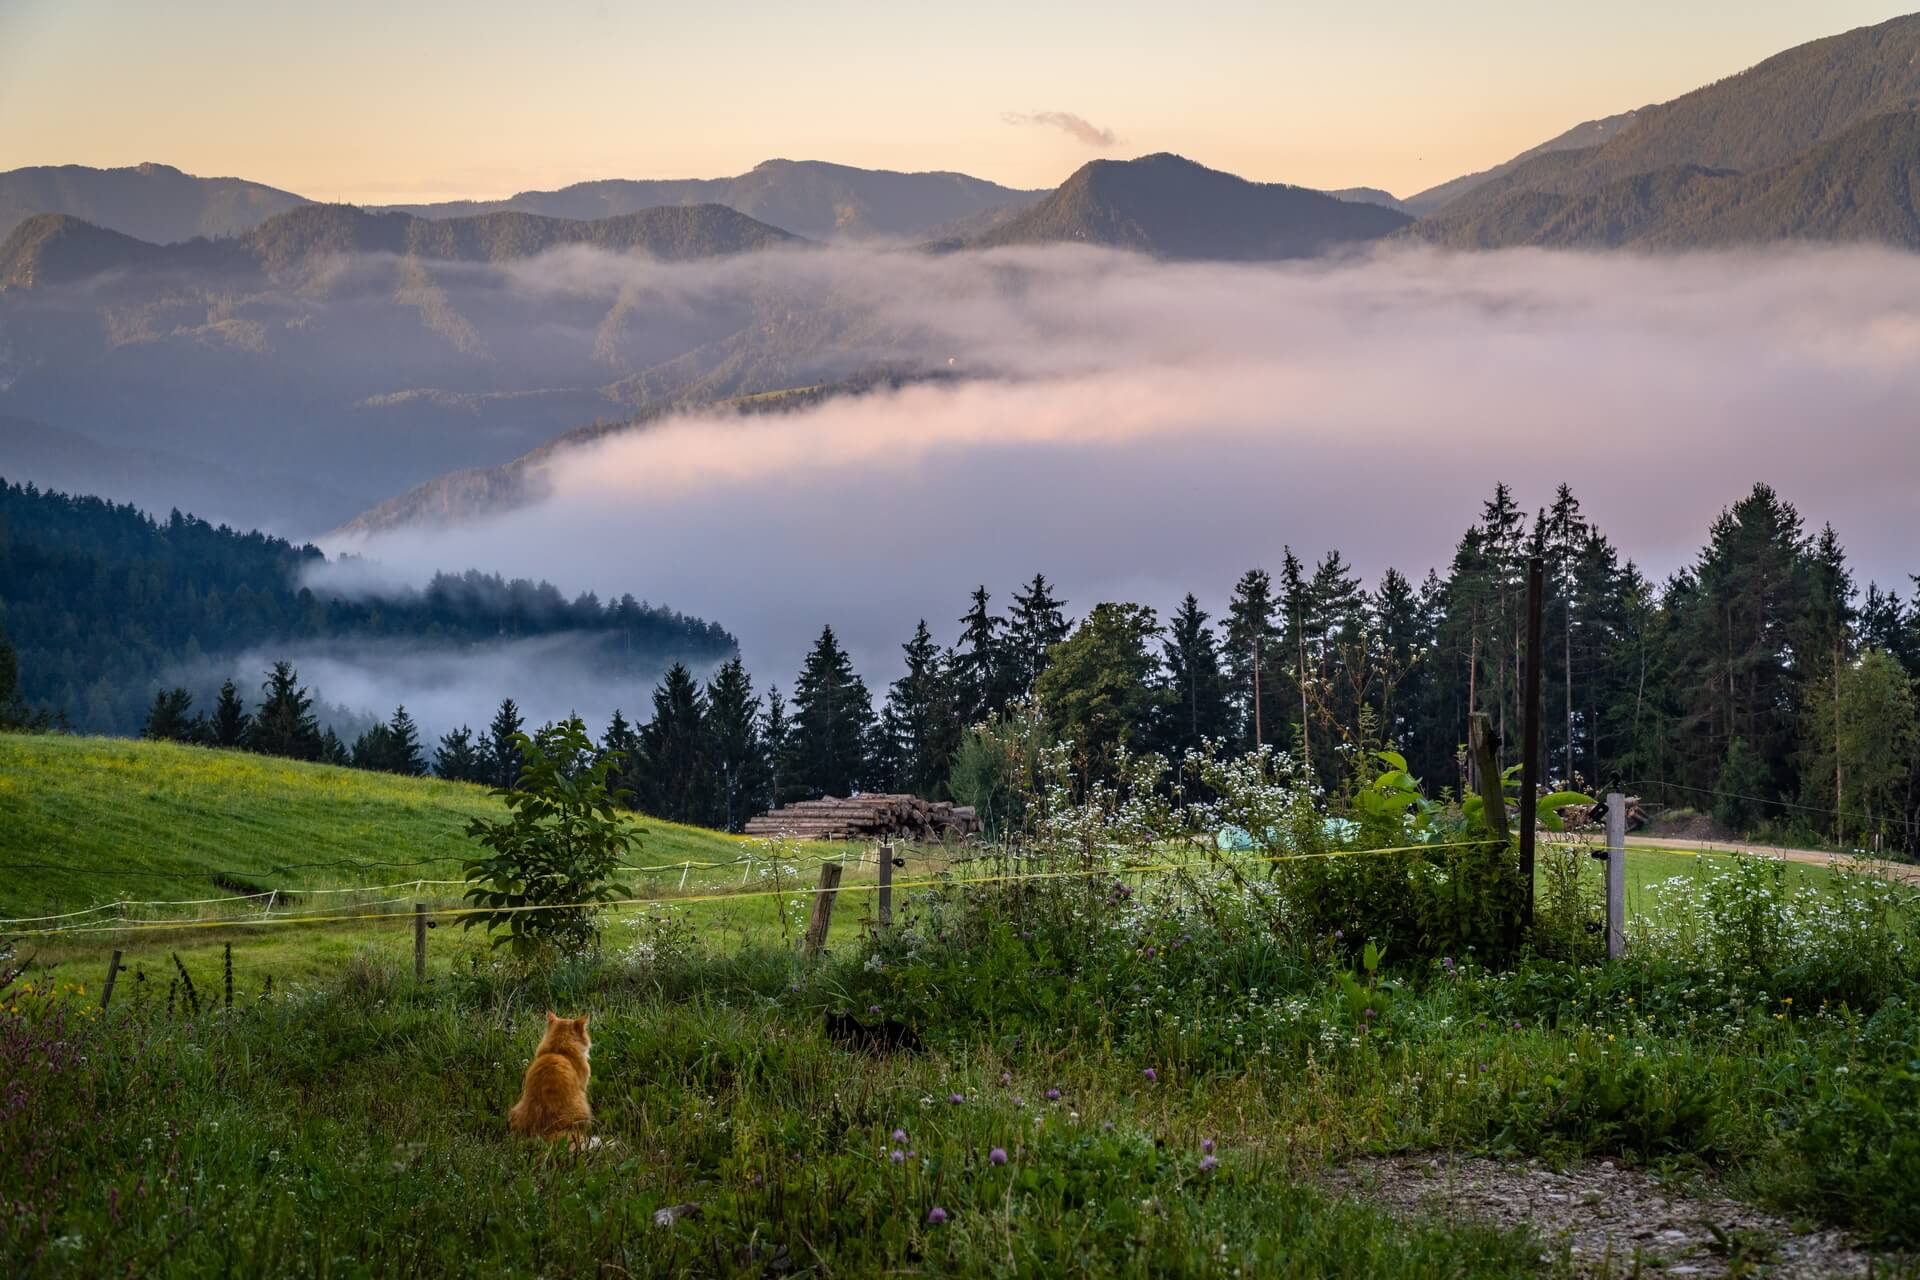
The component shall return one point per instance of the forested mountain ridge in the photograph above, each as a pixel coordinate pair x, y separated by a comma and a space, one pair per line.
809, 198
1780, 111
153, 202
104, 603
55, 248
1861, 186
1583, 136
1171, 207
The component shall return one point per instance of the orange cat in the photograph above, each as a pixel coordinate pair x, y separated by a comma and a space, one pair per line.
553, 1100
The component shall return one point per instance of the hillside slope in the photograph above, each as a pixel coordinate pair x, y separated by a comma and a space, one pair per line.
809, 198
1862, 186
92, 820
1761, 118
1170, 207
153, 202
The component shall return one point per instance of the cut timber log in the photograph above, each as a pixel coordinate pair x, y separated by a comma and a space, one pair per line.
860, 817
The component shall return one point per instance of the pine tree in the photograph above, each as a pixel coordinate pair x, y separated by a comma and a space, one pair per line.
736, 755
1035, 624
171, 718
455, 758
332, 750
776, 733
373, 750
1824, 646
407, 756
676, 780
285, 725
1248, 648
622, 744
499, 752
829, 752
1197, 707
980, 664
1736, 622
918, 728
1402, 634
231, 723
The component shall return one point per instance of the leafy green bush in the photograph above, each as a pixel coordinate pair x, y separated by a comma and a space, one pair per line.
551, 861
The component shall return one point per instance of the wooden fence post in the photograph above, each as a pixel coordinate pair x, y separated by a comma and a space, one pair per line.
1616, 875
113, 971
419, 942
816, 936
886, 886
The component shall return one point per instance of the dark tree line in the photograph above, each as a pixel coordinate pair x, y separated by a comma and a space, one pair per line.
1761, 682
104, 603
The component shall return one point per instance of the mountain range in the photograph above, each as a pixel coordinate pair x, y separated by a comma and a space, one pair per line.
809, 198
324, 357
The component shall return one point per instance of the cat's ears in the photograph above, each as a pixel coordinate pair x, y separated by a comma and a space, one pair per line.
583, 1020
551, 1019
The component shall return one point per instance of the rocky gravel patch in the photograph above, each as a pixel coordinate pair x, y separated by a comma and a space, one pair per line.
1608, 1220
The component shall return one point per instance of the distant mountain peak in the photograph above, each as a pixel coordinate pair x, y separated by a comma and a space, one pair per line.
1173, 207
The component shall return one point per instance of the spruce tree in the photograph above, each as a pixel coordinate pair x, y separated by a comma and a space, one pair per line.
1035, 624
919, 729
829, 752
673, 742
170, 718
500, 753
1197, 706
1251, 659
621, 745
776, 733
230, 723
404, 744
332, 750
736, 755
373, 750
455, 758
285, 725
981, 684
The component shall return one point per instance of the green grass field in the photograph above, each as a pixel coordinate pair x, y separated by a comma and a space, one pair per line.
88, 821
1104, 1089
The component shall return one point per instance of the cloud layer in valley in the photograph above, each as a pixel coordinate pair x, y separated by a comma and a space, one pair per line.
1137, 430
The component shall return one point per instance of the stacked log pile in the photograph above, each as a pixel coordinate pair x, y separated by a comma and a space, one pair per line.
885, 817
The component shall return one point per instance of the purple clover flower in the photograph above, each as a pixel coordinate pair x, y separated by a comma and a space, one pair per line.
1151, 1075
936, 1215
997, 1156
1206, 1146
1209, 1163
900, 1136
956, 1098
1053, 1095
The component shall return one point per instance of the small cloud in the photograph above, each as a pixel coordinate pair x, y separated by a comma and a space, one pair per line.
1082, 129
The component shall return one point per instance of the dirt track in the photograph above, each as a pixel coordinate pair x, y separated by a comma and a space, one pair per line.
1905, 871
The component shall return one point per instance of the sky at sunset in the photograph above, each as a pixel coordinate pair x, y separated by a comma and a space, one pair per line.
379, 103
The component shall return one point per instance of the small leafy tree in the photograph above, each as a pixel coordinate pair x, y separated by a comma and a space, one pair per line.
548, 865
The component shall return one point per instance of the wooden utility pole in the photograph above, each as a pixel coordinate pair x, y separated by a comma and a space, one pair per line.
815, 939
886, 886
1530, 749
1257, 739
1486, 773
